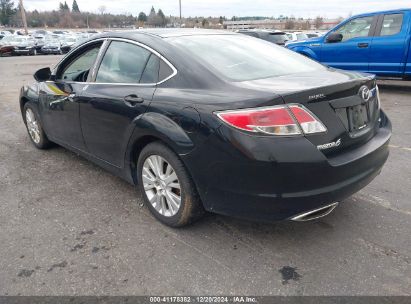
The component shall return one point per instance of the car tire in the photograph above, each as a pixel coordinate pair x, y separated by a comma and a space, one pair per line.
34, 127
170, 195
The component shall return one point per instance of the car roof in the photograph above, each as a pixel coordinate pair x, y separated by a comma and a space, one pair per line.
381, 12
167, 32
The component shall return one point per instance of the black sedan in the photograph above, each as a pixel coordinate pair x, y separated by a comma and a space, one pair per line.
213, 121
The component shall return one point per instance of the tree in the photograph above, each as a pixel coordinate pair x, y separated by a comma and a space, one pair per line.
102, 9
318, 22
290, 24
204, 23
7, 10
74, 7
152, 12
162, 18
153, 19
142, 17
64, 7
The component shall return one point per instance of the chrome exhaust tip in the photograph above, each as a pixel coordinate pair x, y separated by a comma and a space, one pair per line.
315, 214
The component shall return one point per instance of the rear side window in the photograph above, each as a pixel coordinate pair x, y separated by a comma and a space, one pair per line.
123, 62
359, 27
165, 71
391, 24
150, 74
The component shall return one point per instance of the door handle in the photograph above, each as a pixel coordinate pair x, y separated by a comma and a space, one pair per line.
132, 100
362, 45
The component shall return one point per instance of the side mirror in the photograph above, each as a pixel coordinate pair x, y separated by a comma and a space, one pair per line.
42, 74
334, 37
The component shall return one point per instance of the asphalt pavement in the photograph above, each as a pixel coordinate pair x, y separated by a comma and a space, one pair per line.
67, 227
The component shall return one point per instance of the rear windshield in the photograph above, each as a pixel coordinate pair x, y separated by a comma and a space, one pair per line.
241, 58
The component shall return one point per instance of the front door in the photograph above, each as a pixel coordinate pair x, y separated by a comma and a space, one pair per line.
59, 98
352, 53
121, 90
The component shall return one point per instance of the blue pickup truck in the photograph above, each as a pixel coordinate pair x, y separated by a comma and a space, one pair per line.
377, 43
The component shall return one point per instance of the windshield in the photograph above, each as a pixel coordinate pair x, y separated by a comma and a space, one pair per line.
278, 38
301, 36
241, 58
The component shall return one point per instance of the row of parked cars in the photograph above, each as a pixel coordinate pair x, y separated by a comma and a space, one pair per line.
279, 37
40, 42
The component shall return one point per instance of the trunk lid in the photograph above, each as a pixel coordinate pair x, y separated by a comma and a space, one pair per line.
345, 102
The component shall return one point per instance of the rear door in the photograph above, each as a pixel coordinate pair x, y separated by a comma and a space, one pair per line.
121, 90
353, 52
388, 48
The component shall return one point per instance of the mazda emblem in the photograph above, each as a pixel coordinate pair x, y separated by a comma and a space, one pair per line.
365, 93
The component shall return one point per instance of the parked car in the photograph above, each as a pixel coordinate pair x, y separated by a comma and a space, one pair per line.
378, 43
52, 46
4, 33
24, 45
68, 42
40, 33
273, 36
296, 36
212, 120
6, 47
40, 40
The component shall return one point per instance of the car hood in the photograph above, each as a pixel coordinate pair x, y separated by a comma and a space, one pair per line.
303, 81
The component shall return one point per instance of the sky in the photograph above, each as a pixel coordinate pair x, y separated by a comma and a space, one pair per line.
229, 8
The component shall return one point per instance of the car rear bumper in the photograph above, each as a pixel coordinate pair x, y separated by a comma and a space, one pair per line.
263, 179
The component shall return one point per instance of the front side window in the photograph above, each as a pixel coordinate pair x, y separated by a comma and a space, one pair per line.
391, 24
359, 27
125, 62
78, 69
240, 58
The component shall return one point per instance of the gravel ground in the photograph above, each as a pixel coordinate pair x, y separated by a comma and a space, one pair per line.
68, 227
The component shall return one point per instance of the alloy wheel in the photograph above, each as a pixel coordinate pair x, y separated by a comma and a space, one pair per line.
32, 126
161, 185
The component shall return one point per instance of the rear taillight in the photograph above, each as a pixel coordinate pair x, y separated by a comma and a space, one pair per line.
277, 120
307, 120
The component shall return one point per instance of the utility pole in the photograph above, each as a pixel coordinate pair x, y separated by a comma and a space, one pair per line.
179, 1
23, 17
